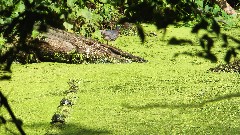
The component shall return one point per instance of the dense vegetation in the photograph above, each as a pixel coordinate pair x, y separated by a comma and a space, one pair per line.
21, 17
213, 37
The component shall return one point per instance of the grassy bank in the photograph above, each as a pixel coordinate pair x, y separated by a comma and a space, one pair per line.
167, 95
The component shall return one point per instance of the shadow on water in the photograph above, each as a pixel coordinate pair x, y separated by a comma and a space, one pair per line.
176, 106
66, 129
80, 130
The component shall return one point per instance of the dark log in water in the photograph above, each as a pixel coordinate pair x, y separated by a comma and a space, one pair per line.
57, 45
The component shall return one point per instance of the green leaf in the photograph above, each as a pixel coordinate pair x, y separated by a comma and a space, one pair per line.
71, 3
2, 41
85, 13
216, 10
20, 7
1, 21
35, 33
68, 26
104, 1
207, 8
199, 3
30, 1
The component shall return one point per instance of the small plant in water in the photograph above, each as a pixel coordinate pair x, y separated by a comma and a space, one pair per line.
66, 103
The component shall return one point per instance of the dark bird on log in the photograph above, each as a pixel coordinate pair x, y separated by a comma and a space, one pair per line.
110, 35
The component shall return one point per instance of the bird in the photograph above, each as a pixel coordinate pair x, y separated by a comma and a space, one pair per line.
110, 35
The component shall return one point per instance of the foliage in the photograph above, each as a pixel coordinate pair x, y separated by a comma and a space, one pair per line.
2, 41
91, 16
214, 11
20, 17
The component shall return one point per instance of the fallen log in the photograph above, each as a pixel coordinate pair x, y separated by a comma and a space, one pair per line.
57, 45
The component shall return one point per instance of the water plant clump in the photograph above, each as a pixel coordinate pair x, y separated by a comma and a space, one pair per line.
63, 110
230, 67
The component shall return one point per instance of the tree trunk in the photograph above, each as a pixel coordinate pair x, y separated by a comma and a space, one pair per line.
226, 7
60, 46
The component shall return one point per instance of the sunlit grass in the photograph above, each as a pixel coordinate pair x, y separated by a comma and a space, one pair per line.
167, 95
